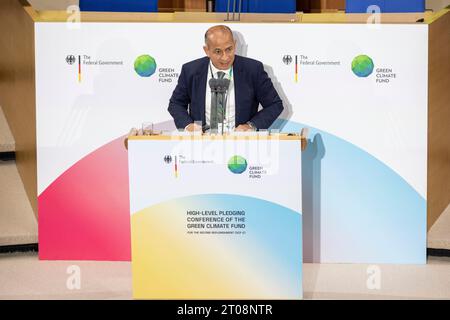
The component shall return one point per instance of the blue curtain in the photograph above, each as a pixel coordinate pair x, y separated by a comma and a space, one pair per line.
387, 6
119, 5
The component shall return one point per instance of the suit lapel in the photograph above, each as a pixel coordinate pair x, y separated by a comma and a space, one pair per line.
200, 87
238, 78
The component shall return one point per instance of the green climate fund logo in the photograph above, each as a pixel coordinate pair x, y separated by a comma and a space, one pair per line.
145, 65
362, 66
237, 164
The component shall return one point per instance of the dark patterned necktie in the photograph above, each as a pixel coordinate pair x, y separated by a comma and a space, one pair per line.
220, 101
217, 114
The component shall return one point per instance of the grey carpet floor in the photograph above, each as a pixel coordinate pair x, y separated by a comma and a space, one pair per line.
23, 276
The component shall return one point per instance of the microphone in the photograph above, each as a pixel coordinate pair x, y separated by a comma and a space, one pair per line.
219, 85
219, 88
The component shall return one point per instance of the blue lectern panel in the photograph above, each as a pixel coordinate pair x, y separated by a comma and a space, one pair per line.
258, 6
119, 5
360, 6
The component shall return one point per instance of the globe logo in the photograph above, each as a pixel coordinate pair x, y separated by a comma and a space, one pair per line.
145, 65
237, 164
362, 66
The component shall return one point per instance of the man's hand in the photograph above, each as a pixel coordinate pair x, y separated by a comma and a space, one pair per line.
243, 127
193, 127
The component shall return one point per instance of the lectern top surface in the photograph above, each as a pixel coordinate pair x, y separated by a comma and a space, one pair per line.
235, 136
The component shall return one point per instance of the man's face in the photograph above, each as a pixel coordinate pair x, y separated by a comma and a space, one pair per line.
220, 48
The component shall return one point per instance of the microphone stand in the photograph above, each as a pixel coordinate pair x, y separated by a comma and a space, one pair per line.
234, 10
219, 89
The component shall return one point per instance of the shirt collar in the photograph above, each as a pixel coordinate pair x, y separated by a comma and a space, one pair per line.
215, 70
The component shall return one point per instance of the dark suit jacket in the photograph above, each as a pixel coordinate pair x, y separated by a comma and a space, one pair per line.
252, 86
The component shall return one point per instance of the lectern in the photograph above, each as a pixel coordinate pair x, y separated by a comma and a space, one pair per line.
216, 217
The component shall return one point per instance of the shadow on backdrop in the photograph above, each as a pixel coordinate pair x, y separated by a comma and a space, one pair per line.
311, 198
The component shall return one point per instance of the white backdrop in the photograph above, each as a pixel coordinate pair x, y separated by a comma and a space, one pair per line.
387, 121
379, 118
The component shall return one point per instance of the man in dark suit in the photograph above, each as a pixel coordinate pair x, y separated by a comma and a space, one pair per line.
249, 86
